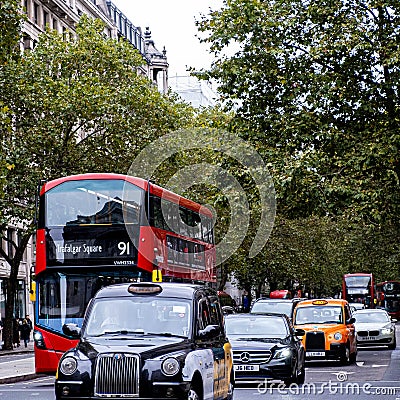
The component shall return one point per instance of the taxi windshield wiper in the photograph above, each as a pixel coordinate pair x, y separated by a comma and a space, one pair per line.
166, 334
121, 332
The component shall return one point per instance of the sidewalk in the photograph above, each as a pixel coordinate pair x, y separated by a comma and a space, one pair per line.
17, 370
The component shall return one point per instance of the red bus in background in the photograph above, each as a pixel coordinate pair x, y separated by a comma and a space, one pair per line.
280, 294
99, 229
388, 297
359, 288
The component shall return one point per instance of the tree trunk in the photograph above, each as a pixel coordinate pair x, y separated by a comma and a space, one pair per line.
12, 284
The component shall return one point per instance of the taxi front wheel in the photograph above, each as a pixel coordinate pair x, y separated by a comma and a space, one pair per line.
345, 359
193, 394
230, 391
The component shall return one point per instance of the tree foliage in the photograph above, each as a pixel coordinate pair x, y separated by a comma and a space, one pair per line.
11, 20
319, 82
74, 104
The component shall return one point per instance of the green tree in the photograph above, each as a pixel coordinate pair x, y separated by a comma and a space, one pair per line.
11, 20
72, 105
319, 82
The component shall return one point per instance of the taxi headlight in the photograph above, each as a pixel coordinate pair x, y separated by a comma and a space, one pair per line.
68, 365
337, 336
283, 353
386, 331
170, 366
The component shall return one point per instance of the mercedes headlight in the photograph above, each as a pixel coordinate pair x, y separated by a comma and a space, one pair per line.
170, 366
283, 353
337, 336
68, 365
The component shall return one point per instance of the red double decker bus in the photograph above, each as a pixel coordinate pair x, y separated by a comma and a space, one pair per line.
388, 297
99, 229
359, 288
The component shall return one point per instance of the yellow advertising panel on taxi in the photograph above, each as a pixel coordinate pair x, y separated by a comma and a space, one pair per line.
329, 329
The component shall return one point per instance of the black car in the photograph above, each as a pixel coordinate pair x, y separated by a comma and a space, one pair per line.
265, 347
276, 306
144, 340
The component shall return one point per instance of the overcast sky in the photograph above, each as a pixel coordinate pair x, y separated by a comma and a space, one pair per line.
172, 24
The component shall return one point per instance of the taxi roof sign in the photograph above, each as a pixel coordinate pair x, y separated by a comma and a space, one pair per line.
145, 289
319, 302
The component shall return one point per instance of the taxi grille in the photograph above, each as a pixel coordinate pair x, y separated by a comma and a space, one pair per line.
117, 374
251, 356
315, 341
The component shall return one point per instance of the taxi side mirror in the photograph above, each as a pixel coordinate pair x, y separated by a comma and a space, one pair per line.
350, 321
209, 332
72, 330
299, 332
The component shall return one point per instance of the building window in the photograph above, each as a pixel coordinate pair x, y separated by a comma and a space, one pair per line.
35, 13
19, 300
45, 19
26, 7
55, 24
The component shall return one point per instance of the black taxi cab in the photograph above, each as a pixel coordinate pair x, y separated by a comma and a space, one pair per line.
149, 341
329, 329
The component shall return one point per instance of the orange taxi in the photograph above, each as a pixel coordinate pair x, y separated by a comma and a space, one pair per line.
329, 329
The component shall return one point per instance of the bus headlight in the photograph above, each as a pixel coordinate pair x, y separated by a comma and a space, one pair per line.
68, 365
170, 366
38, 339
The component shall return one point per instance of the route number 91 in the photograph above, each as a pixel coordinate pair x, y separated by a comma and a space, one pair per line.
124, 248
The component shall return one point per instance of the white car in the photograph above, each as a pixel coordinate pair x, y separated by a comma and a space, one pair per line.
375, 328
356, 306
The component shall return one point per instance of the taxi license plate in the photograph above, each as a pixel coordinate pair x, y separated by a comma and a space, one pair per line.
246, 367
315, 354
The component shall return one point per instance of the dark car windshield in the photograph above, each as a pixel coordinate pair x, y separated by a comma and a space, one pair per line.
276, 307
268, 326
141, 315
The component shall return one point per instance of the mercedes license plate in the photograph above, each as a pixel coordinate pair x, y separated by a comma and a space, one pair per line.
246, 367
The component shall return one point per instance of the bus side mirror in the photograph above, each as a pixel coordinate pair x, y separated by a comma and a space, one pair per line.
72, 330
32, 292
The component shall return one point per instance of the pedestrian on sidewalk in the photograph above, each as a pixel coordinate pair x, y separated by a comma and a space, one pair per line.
29, 321
15, 326
25, 332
